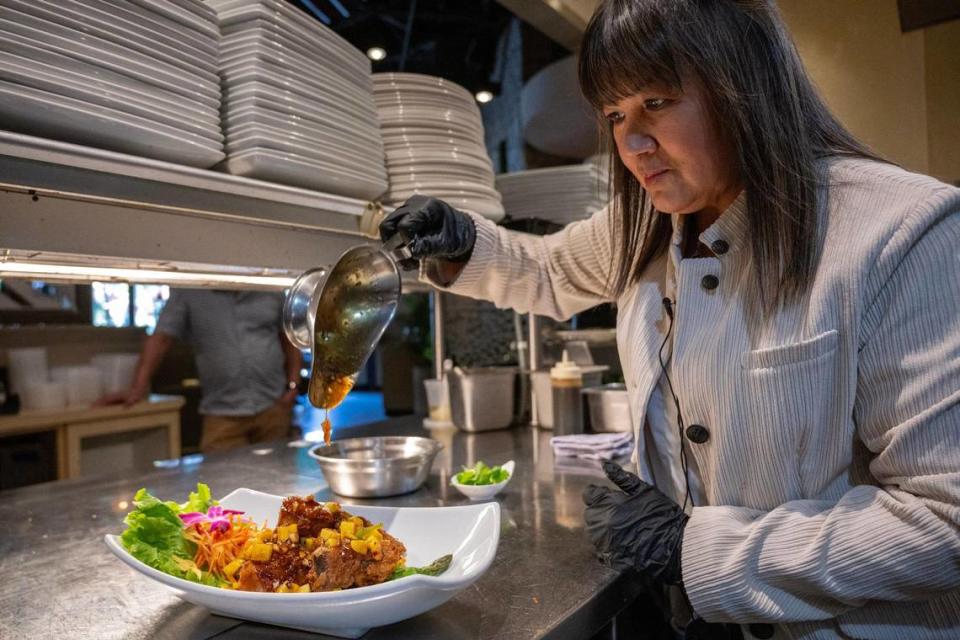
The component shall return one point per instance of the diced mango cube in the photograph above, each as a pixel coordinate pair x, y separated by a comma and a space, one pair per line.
348, 529
304, 588
288, 532
360, 546
332, 507
365, 533
258, 551
333, 541
326, 533
231, 569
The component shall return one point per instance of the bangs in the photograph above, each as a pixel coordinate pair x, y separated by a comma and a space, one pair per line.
627, 49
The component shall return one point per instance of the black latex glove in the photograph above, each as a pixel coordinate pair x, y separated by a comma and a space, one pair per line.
635, 526
433, 229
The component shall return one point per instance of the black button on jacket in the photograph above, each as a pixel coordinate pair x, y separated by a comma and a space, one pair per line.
698, 433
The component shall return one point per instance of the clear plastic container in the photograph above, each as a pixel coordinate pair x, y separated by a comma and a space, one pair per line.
438, 400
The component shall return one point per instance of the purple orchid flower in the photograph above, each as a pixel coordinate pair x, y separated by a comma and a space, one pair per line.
217, 516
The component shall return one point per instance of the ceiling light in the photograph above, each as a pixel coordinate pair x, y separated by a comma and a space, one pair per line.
484, 96
376, 53
75, 273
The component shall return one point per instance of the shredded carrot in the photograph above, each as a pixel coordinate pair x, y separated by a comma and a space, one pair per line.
216, 549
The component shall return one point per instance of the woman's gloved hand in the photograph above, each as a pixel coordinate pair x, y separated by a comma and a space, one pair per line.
433, 229
635, 526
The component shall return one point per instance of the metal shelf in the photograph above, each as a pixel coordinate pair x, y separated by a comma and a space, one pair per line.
62, 202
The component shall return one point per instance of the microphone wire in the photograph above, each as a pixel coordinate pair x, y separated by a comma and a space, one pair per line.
668, 305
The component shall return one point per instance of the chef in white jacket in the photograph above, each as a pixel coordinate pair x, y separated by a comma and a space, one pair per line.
789, 329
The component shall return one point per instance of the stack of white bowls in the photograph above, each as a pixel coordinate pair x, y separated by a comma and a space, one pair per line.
298, 103
433, 138
135, 76
558, 194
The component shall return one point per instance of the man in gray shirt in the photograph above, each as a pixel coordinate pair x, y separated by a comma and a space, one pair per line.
248, 370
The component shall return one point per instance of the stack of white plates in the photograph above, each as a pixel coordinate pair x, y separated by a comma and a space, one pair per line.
136, 76
433, 138
558, 194
298, 102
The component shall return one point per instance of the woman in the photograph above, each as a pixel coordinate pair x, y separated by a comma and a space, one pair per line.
788, 327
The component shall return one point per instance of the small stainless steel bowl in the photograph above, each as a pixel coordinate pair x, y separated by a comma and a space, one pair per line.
376, 467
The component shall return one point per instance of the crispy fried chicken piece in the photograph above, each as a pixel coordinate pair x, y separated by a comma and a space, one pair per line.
323, 568
309, 515
287, 564
341, 567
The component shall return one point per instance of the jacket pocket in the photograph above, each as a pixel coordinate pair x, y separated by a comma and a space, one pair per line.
816, 347
790, 399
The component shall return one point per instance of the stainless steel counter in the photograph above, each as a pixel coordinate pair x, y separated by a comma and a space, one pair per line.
59, 579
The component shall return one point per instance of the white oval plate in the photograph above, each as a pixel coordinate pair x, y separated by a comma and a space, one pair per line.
471, 533
490, 209
332, 112
59, 58
402, 80
189, 13
287, 20
87, 21
442, 140
85, 45
141, 19
412, 100
49, 115
430, 161
343, 157
295, 170
300, 125
388, 121
243, 69
259, 32
317, 139
32, 74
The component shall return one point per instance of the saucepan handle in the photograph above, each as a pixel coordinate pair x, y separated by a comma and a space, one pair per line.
397, 247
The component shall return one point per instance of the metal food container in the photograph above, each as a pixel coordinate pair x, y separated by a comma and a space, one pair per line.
609, 408
482, 399
376, 467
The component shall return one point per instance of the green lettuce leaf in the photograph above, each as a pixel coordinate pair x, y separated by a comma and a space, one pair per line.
482, 474
154, 535
200, 500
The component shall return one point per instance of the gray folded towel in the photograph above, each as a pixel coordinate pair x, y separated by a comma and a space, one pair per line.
592, 446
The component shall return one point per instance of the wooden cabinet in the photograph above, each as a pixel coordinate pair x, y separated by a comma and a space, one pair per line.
95, 439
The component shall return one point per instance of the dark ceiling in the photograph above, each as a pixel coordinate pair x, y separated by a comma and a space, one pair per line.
454, 39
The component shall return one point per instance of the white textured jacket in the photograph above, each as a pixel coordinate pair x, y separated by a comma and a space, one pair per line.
831, 465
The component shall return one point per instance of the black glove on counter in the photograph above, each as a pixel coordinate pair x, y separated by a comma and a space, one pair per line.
636, 526
433, 228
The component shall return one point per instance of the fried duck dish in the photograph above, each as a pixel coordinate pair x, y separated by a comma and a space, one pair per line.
316, 547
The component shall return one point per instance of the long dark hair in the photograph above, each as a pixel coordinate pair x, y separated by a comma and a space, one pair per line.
762, 98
